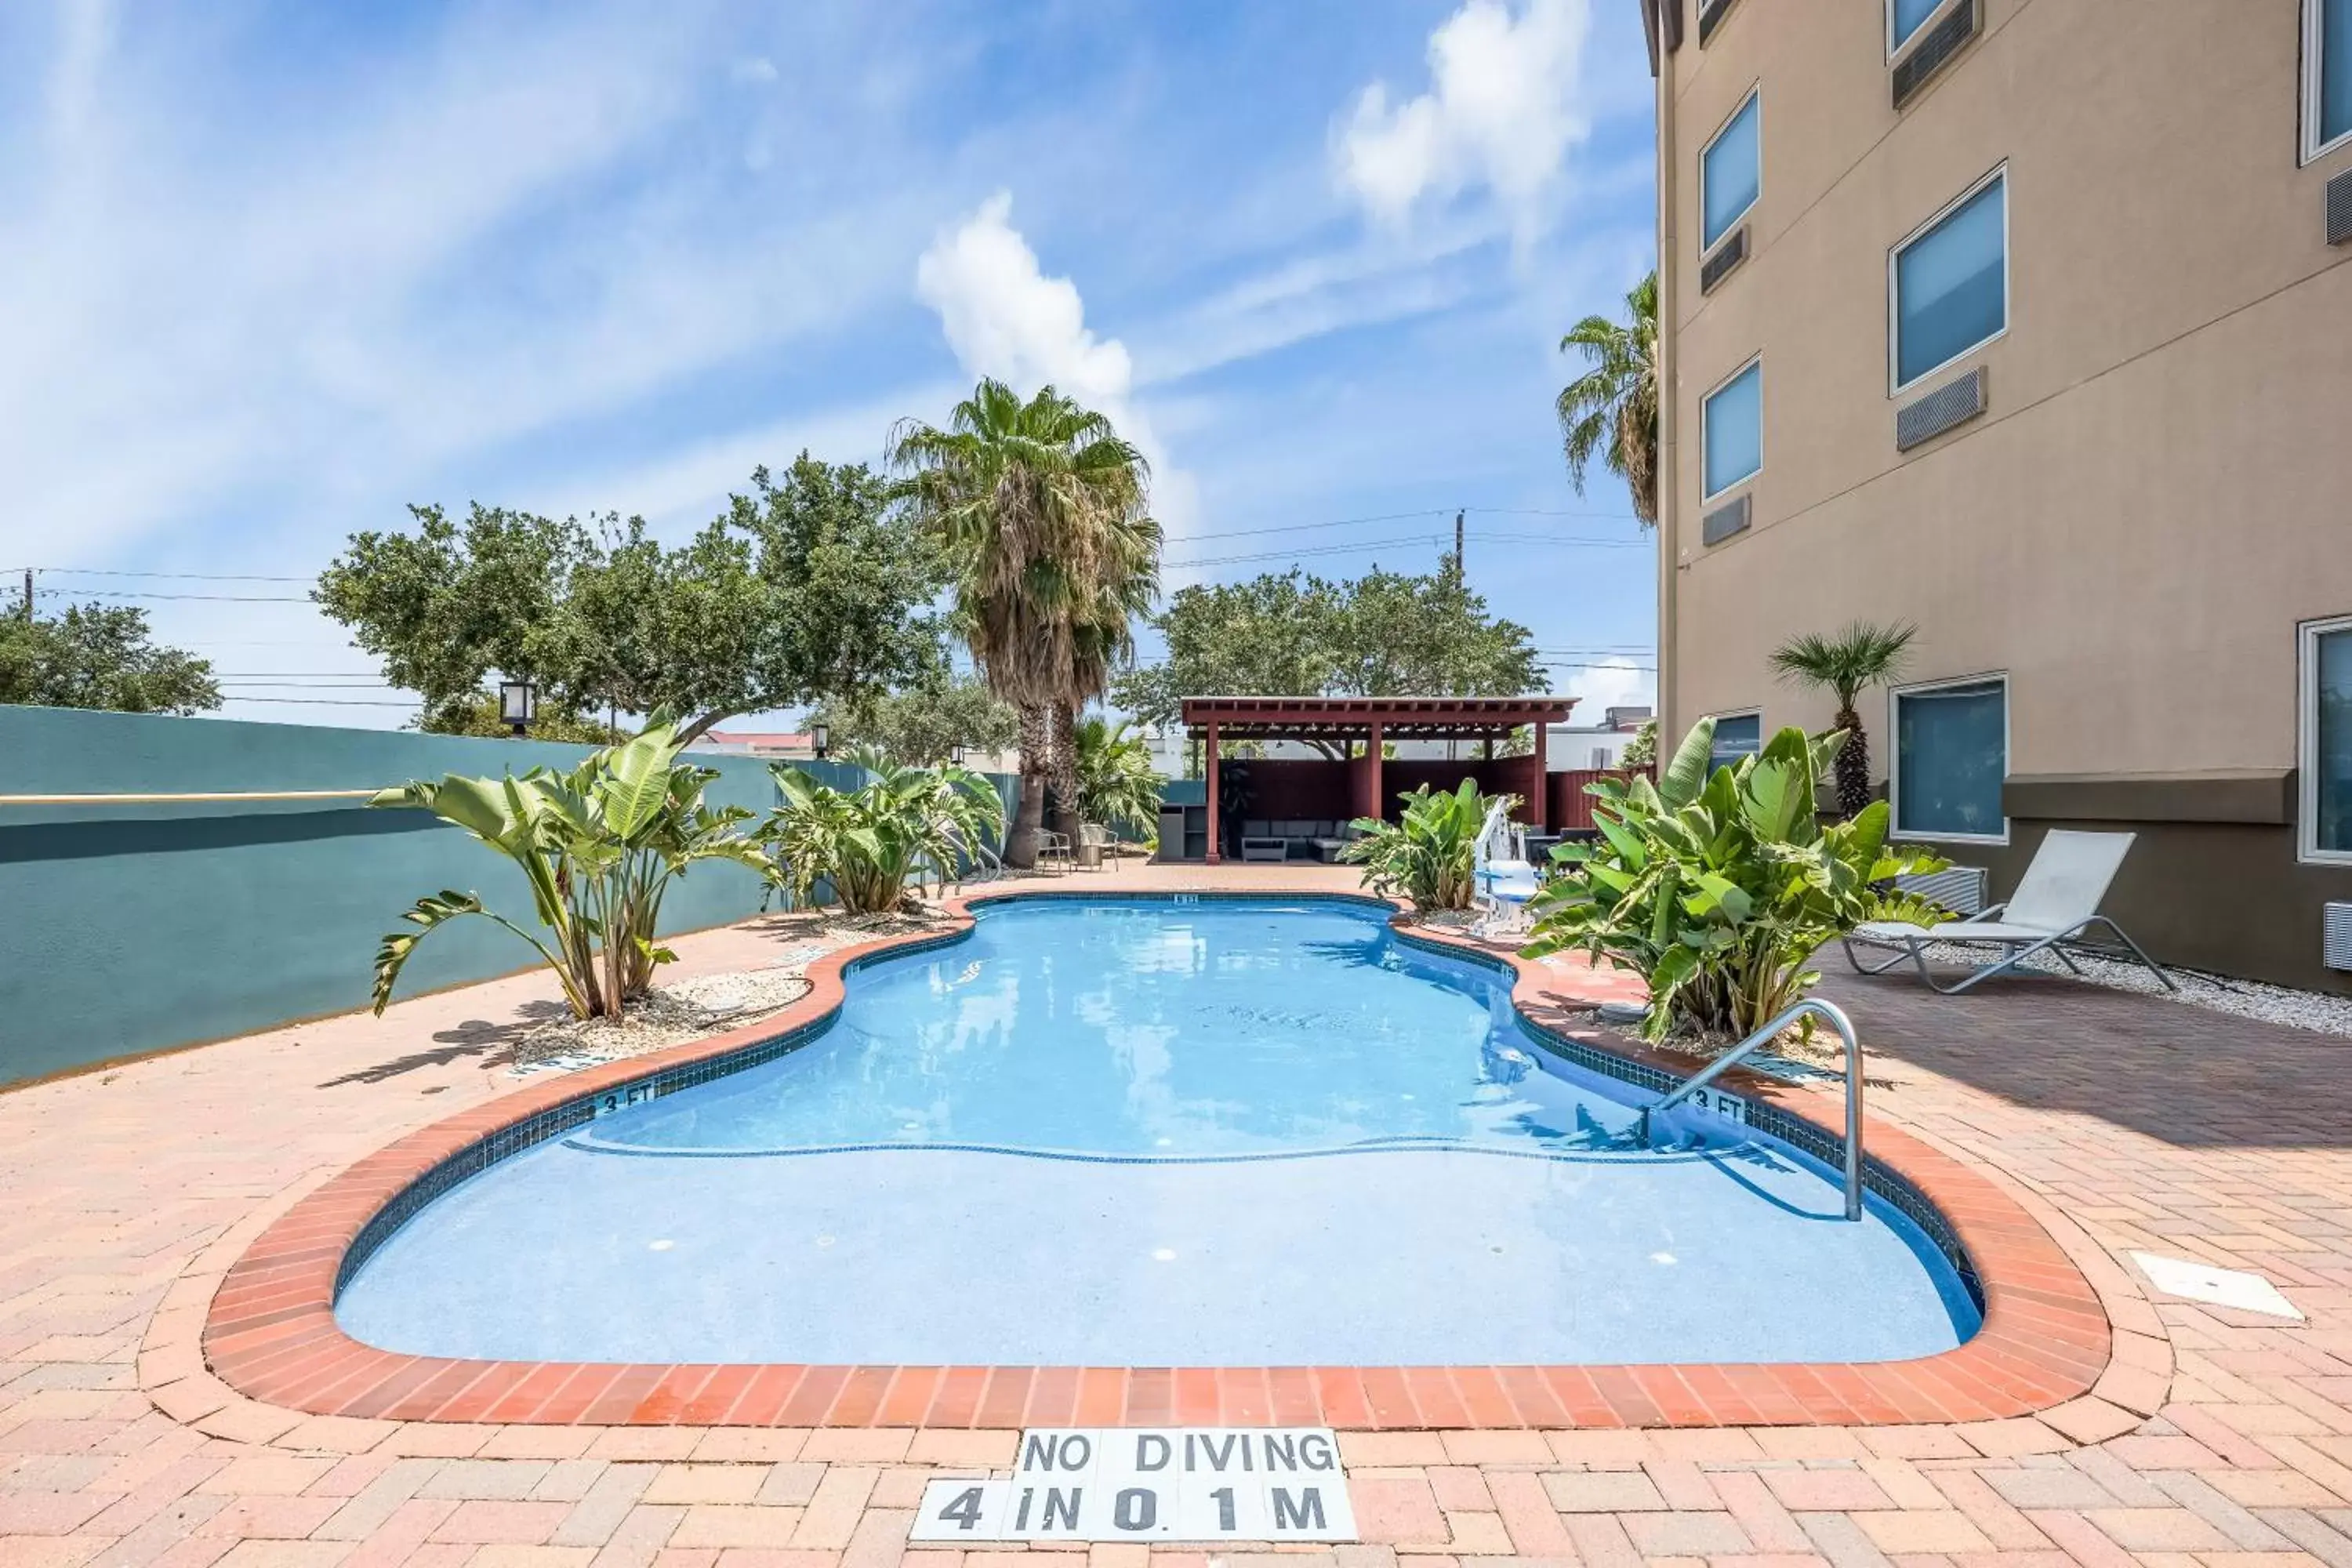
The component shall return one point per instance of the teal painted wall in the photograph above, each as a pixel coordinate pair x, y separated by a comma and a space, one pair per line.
132, 929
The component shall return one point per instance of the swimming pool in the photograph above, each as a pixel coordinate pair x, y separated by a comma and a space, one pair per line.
1133, 1132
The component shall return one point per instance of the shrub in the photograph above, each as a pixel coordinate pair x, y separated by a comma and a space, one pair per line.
1117, 785
1720, 889
599, 846
869, 841
1431, 854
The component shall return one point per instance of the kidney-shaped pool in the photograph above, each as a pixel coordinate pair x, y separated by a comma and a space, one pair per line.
1144, 1132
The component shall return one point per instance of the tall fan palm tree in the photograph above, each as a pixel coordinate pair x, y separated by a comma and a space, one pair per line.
1043, 512
1611, 410
1863, 653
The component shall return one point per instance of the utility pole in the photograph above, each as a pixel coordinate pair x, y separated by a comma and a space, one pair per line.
28, 596
1458, 567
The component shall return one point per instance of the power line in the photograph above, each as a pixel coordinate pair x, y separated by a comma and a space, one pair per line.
323, 701
191, 576
212, 598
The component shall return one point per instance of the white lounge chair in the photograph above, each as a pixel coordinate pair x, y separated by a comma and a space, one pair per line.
2056, 902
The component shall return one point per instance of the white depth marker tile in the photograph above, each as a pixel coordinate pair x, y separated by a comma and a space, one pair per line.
2221, 1287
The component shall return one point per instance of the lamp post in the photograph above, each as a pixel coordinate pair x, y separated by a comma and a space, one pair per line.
820, 733
517, 703
955, 755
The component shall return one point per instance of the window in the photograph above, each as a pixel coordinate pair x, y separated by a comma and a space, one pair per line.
1733, 416
1730, 171
1951, 754
1737, 735
2327, 76
1903, 20
1949, 282
2326, 743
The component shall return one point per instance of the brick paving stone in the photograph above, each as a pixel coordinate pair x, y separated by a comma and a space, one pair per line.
736, 1524
143, 1195
1602, 1492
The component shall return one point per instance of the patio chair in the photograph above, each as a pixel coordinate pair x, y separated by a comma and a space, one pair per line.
1094, 847
1054, 848
2055, 902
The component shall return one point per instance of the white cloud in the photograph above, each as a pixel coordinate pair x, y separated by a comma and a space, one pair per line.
1502, 110
1005, 318
758, 71
1611, 683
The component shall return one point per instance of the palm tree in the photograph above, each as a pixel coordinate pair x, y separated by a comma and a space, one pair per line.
1862, 655
1612, 409
1042, 510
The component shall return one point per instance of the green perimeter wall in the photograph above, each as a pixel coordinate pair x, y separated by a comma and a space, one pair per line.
128, 928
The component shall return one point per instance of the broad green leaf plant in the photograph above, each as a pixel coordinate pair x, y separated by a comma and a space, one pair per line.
1430, 855
869, 842
1719, 887
599, 846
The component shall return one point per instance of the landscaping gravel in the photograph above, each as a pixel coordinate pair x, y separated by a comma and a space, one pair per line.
2246, 998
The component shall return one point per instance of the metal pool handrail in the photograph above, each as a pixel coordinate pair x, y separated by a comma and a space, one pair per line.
183, 799
1724, 1063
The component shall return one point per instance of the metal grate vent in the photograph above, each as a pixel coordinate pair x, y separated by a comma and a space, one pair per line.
1710, 17
1728, 255
2335, 945
1954, 403
1724, 521
2339, 210
1939, 44
1959, 888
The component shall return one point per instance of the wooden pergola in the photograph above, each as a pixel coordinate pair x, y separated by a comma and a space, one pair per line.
1372, 720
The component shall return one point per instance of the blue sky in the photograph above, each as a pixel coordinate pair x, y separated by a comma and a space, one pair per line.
273, 272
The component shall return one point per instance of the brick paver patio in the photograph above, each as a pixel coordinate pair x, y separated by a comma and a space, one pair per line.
2122, 1122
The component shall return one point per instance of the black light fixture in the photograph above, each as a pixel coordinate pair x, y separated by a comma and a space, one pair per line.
955, 755
820, 733
517, 703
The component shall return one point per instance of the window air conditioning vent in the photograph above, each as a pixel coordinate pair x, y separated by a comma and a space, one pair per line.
1724, 521
1959, 888
1710, 17
2339, 214
1954, 403
2336, 946
1726, 257
1937, 45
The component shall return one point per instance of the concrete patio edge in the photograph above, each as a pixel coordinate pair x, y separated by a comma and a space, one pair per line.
246, 1345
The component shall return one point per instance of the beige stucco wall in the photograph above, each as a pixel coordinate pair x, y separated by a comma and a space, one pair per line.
2162, 485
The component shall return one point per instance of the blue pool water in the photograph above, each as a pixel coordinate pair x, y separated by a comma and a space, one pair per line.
1133, 1132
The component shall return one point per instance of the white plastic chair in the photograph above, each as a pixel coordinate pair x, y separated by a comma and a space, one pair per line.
2055, 902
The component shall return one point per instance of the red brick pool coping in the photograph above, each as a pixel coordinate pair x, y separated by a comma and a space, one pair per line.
270, 1332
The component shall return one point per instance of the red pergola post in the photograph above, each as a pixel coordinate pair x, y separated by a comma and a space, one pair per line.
1539, 800
1376, 803
1216, 854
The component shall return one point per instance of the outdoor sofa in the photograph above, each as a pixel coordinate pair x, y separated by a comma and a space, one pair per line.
1292, 839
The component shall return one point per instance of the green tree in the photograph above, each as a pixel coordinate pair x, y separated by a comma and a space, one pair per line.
806, 589
923, 724
1863, 653
1041, 510
1611, 410
97, 657
1385, 634
1641, 750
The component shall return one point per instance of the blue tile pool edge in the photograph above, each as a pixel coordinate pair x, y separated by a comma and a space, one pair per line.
1796, 1132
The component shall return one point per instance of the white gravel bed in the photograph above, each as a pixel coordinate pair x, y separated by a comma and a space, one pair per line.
2246, 998
669, 1015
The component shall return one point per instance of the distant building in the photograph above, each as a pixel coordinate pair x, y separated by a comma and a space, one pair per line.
748, 743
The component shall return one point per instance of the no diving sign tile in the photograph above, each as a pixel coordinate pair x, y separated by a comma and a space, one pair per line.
1151, 1483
